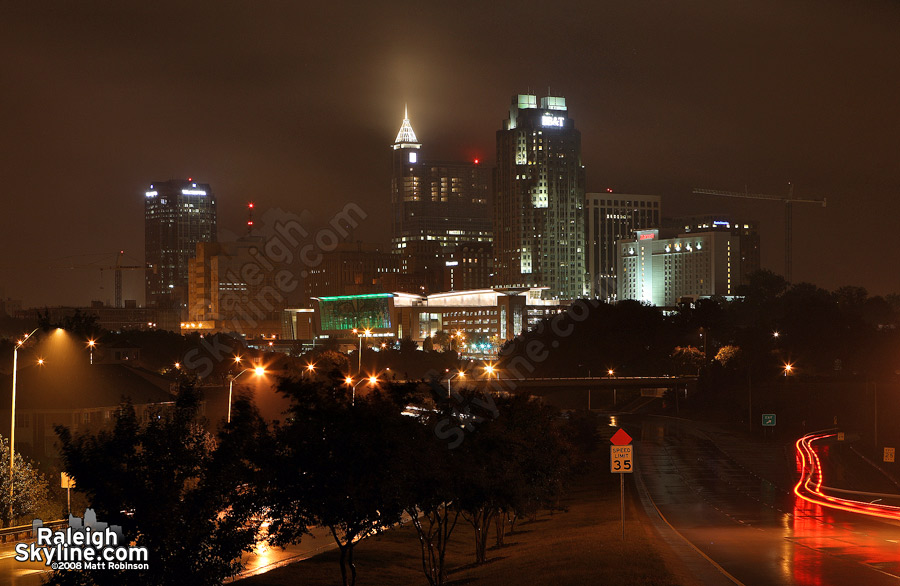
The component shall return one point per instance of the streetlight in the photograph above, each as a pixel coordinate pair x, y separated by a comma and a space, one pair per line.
367, 332
788, 369
91, 344
372, 380
491, 370
460, 374
310, 369
257, 370
610, 372
12, 420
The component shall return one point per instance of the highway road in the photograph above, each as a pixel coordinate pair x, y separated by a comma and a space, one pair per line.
717, 496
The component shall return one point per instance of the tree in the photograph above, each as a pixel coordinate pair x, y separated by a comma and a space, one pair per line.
510, 465
83, 324
31, 491
173, 488
728, 356
442, 339
688, 359
429, 489
328, 468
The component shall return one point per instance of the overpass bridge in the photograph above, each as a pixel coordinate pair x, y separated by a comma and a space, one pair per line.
595, 392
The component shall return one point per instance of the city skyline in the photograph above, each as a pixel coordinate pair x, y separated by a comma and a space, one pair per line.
667, 99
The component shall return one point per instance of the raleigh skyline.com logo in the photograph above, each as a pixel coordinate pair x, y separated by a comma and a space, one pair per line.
86, 544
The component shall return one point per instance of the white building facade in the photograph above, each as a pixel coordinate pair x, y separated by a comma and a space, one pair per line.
663, 272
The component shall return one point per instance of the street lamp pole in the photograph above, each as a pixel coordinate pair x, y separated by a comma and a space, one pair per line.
359, 333
372, 380
458, 374
12, 421
259, 370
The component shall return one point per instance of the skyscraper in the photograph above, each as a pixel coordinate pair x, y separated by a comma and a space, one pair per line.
539, 200
612, 217
435, 206
177, 215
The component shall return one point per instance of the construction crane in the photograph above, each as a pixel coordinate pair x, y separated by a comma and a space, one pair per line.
788, 202
118, 268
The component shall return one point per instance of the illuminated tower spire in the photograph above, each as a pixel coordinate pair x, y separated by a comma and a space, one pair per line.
406, 138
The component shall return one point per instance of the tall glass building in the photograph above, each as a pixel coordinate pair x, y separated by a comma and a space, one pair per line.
435, 206
539, 200
177, 215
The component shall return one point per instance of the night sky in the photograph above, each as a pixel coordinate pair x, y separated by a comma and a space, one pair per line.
294, 104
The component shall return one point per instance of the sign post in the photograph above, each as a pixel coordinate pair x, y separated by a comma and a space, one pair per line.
889, 454
67, 482
621, 461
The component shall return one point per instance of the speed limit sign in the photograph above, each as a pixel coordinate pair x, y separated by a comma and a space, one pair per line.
621, 459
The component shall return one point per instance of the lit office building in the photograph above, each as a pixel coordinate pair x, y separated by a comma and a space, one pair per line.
610, 218
177, 215
469, 266
435, 206
539, 200
662, 272
747, 232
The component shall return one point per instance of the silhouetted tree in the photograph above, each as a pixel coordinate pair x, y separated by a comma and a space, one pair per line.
173, 488
329, 465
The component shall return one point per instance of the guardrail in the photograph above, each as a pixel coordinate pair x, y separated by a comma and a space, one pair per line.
23, 532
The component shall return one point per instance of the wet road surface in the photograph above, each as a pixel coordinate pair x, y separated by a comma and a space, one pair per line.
756, 529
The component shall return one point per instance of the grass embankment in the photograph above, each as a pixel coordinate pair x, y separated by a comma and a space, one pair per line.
582, 545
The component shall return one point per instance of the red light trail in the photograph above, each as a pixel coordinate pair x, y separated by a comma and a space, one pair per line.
809, 487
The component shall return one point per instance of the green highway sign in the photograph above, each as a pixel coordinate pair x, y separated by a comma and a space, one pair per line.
768, 420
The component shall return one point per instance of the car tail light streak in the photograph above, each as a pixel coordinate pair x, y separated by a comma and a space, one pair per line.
809, 487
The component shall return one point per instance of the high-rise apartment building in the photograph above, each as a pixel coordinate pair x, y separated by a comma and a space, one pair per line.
746, 231
435, 206
610, 218
539, 200
177, 215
